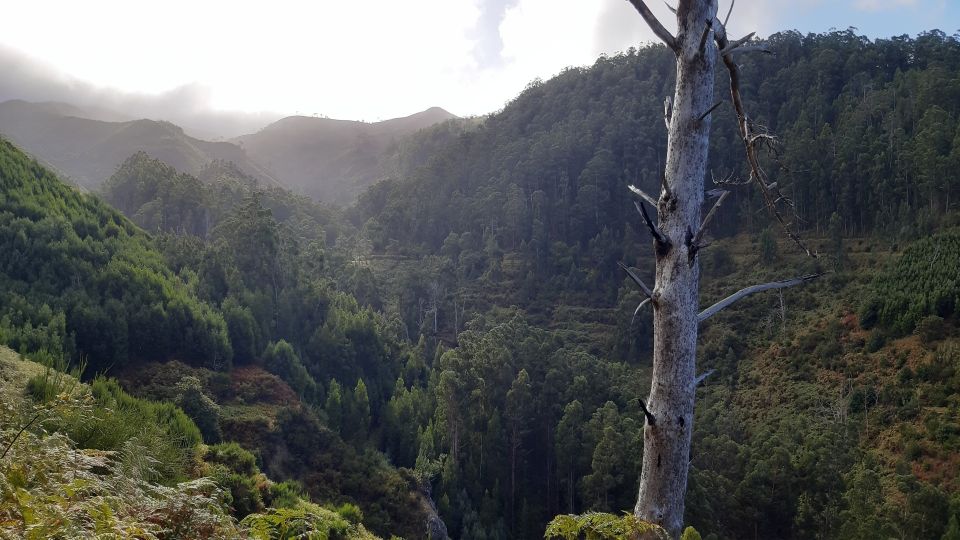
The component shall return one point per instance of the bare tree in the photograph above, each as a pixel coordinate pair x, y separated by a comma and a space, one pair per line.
678, 235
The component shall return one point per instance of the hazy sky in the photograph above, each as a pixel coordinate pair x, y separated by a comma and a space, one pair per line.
378, 59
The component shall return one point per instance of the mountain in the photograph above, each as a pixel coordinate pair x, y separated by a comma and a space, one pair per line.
331, 160
86, 145
26, 77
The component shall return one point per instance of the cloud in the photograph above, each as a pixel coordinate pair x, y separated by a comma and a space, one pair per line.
25, 77
183, 59
489, 44
351, 59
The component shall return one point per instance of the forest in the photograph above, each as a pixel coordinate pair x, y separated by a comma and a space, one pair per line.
458, 353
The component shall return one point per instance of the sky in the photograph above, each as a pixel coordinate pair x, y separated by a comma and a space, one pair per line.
365, 60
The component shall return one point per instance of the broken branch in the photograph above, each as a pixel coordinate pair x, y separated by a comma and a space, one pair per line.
719, 306
655, 25
636, 311
706, 221
750, 140
704, 36
643, 195
733, 45
729, 11
667, 111
636, 279
750, 48
663, 243
702, 377
710, 110
652, 420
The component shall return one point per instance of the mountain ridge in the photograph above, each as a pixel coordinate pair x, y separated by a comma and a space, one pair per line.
87, 144
88, 150
329, 159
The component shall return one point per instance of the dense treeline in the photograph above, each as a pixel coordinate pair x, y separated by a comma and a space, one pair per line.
78, 279
869, 131
924, 285
266, 259
250, 298
530, 208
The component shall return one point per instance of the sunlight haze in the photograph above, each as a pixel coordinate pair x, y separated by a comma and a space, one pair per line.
376, 60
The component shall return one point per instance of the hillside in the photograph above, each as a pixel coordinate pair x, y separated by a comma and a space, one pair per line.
542, 184
101, 463
530, 210
86, 149
83, 285
80, 279
331, 160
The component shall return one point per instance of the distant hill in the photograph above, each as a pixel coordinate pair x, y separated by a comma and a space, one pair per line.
86, 145
331, 160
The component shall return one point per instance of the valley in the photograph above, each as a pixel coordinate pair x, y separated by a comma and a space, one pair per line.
418, 327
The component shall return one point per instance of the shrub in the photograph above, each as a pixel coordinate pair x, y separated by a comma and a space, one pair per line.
930, 329
350, 512
234, 457
198, 406
167, 435
305, 521
599, 526
280, 359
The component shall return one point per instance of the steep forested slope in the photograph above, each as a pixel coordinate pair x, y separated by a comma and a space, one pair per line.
78, 279
101, 463
82, 283
868, 130
807, 410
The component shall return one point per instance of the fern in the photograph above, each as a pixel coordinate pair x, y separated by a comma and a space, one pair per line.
600, 526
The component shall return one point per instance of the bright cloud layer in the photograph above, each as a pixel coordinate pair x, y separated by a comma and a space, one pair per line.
374, 59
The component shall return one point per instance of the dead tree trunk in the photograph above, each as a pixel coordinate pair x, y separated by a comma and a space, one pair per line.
666, 458
677, 237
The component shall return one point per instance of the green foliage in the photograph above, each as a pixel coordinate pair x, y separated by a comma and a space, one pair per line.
243, 330
768, 246
923, 282
598, 526
115, 419
234, 457
358, 419
930, 329
200, 408
304, 521
280, 359
90, 279
50, 488
334, 406
286, 494
953, 529
350, 512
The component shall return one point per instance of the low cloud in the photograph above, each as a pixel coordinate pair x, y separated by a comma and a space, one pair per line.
189, 105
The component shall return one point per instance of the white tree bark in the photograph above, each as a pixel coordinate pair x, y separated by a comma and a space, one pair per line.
666, 457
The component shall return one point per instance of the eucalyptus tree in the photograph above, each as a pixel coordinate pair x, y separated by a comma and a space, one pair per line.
678, 236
